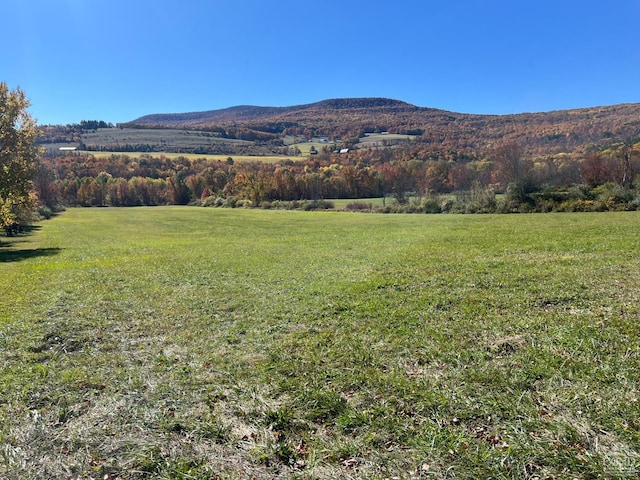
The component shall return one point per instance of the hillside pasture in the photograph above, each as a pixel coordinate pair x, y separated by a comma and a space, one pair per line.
192, 343
169, 139
370, 140
196, 156
384, 139
137, 140
305, 146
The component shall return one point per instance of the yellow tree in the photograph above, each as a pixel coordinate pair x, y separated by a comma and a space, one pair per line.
18, 155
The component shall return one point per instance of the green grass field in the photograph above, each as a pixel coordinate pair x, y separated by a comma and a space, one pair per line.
192, 343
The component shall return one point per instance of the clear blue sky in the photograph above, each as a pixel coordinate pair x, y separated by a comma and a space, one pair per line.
116, 60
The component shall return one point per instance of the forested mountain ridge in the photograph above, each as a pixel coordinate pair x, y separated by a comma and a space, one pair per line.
541, 133
254, 113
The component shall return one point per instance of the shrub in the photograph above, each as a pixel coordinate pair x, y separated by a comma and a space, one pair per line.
613, 196
358, 207
447, 206
282, 205
581, 192
518, 197
635, 203
582, 206
210, 202
385, 209
45, 212
230, 202
318, 205
476, 200
430, 205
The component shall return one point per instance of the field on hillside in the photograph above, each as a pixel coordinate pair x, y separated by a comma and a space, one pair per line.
370, 140
153, 141
163, 138
192, 343
196, 156
171, 142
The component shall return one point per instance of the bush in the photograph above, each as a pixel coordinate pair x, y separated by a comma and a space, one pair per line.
230, 202
518, 197
45, 212
394, 208
358, 207
613, 196
635, 203
318, 205
582, 206
430, 205
476, 200
581, 192
447, 206
208, 202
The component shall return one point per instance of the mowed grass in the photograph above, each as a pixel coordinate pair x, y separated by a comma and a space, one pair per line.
177, 342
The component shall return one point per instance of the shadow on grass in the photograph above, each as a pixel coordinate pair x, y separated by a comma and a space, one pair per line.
31, 228
18, 255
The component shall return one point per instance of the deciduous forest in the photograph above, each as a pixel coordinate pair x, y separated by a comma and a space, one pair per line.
597, 180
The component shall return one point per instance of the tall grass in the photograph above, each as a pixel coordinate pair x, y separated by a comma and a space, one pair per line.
205, 343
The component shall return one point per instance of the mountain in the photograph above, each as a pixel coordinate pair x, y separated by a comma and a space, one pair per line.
250, 113
542, 133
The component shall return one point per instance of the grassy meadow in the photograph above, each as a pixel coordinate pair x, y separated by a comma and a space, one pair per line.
193, 343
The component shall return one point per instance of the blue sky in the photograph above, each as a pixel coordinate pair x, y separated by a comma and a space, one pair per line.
116, 60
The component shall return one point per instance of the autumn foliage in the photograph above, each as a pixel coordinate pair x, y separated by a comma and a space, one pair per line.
405, 174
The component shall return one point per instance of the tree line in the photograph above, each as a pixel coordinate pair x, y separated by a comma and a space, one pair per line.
443, 182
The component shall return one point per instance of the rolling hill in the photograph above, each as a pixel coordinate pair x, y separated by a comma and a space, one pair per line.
248, 113
256, 130
539, 133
